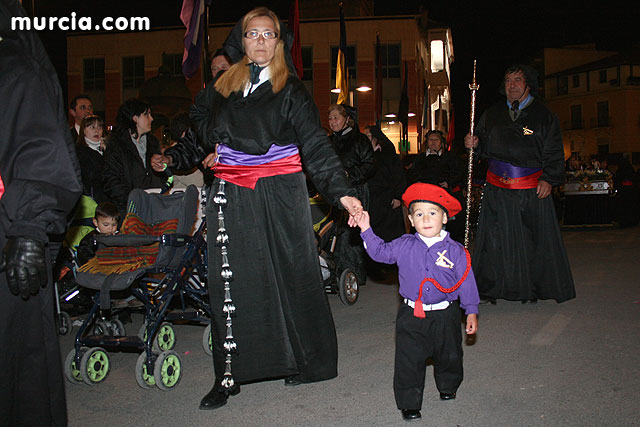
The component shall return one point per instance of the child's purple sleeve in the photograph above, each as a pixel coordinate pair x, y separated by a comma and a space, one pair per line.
378, 249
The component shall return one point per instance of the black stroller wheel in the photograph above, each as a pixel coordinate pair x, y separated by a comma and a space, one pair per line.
207, 342
348, 287
65, 324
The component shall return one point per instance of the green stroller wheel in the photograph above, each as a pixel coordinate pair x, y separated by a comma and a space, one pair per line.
94, 366
167, 370
207, 341
165, 339
72, 368
144, 379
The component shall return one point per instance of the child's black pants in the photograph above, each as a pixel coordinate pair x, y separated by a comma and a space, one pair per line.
438, 336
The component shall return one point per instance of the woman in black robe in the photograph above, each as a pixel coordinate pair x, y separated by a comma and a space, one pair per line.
386, 187
266, 268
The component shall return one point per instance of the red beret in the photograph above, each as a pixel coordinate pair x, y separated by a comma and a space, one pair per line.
421, 192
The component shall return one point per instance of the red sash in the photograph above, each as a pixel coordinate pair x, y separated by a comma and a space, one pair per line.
521, 183
247, 175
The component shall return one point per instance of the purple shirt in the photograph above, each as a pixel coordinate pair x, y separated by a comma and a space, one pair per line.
416, 261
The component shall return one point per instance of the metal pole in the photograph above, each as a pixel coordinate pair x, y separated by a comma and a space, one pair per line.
474, 88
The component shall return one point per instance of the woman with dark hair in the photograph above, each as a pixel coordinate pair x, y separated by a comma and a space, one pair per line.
90, 147
356, 155
127, 160
270, 314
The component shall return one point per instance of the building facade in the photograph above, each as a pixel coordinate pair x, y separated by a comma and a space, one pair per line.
596, 95
112, 67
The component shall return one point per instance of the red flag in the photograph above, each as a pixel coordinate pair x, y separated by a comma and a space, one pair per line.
378, 81
451, 133
294, 26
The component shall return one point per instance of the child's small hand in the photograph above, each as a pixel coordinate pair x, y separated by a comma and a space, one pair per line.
472, 324
361, 221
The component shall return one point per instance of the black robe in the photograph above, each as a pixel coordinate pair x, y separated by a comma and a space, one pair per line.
41, 178
283, 324
387, 183
518, 251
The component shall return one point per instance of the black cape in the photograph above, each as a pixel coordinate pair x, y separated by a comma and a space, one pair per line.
518, 251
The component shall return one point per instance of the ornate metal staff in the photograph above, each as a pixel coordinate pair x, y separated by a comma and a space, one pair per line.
474, 88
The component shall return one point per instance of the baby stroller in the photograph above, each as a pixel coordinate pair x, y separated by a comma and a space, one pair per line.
70, 297
164, 265
328, 224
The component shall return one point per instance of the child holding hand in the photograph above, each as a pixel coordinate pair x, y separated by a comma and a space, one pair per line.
436, 281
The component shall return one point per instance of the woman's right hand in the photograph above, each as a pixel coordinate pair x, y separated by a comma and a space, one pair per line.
159, 162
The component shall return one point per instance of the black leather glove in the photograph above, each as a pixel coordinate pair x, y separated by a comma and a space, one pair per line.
25, 264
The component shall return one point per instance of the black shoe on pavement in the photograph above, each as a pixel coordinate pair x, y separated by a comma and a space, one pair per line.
411, 414
216, 398
486, 301
292, 380
447, 396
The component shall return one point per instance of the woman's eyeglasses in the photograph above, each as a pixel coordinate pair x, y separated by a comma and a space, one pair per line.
267, 35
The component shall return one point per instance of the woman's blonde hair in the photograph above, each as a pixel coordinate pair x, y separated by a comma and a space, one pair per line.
85, 123
237, 76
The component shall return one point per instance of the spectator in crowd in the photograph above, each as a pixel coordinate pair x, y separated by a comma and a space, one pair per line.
127, 159
90, 147
219, 63
356, 155
80, 107
440, 166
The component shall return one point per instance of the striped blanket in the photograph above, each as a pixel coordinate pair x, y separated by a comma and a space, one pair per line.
122, 259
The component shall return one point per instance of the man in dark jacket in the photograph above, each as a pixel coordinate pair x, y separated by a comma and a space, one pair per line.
518, 253
39, 185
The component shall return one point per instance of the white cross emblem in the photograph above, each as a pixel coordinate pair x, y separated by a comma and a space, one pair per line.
443, 261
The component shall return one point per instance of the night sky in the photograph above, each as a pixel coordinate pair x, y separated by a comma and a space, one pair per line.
496, 35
